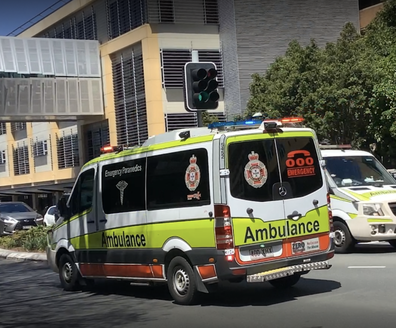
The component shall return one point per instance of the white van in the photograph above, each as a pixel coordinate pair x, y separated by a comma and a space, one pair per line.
363, 197
236, 201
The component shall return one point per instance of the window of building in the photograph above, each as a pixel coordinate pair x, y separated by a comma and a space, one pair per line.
40, 148
211, 12
166, 11
173, 61
82, 26
3, 128
18, 126
178, 179
97, 136
123, 186
3, 157
130, 97
21, 160
68, 151
368, 3
175, 121
124, 16
82, 197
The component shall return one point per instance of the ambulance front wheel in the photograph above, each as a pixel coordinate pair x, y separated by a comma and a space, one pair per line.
181, 281
343, 240
286, 282
68, 273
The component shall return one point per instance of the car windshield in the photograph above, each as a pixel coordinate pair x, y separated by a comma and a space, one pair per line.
357, 171
14, 208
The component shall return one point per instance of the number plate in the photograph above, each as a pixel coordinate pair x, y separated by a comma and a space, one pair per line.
261, 253
26, 227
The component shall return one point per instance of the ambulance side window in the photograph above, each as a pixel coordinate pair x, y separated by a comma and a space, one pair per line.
299, 165
123, 186
178, 179
82, 197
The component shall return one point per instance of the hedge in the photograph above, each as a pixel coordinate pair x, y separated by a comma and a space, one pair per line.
34, 239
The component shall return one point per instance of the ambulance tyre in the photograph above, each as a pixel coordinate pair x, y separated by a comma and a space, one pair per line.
343, 240
68, 273
285, 282
181, 281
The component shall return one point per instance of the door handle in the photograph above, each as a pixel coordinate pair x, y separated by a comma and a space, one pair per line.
92, 221
103, 220
294, 216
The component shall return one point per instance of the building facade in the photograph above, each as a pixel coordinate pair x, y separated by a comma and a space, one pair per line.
144, 45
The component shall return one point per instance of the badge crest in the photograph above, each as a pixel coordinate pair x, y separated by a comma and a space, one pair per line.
255, 171
193, 174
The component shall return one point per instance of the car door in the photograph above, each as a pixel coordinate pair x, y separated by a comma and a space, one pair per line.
304, 192
252, 194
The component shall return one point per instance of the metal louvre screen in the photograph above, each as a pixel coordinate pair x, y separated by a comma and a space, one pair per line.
198, 12
124, 16
176, 121
67, 149
129, 96
3, 128
21, 160
82, 26
173, 61
97, 136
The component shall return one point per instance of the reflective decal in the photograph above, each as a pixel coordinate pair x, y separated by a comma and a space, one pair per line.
193, 174
299, 166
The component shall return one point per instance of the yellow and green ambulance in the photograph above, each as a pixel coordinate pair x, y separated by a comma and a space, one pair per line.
235, 201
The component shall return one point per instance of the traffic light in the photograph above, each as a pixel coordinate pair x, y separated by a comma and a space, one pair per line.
200, 86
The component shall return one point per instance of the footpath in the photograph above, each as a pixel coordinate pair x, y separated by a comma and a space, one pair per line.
22, 256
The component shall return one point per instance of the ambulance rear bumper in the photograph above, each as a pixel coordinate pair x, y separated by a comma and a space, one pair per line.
287, 271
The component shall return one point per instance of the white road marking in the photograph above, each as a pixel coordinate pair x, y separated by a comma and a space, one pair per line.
367, 267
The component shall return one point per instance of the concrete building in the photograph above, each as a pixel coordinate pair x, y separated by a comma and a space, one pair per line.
143, 45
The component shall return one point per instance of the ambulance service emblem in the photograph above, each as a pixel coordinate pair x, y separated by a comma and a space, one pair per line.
255, 171
193, 174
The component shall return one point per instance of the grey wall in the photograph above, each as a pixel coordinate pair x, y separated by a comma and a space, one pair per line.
264, 28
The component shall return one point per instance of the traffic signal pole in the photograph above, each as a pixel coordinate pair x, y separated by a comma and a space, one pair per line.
195, 59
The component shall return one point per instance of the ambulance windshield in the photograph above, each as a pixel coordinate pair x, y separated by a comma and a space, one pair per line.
357, 171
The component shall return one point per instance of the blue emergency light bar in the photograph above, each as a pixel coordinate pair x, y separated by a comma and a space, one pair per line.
236, 123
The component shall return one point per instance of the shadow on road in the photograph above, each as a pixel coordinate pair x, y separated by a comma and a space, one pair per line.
363, 248
228, 295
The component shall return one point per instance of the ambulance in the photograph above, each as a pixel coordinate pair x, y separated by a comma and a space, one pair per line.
235, 201
363, 197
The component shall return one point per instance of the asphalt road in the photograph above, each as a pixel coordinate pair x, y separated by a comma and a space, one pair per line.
358, 291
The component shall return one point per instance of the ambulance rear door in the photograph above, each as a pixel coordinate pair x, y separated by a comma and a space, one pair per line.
304, 192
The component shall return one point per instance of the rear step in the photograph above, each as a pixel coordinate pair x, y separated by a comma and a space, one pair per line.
287, 271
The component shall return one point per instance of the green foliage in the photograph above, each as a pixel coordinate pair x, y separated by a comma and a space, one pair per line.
345, 90
34, 239
208, 118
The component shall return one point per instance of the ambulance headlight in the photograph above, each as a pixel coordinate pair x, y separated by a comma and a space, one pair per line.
372, 210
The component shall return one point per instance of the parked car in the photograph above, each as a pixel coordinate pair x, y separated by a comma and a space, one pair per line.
18, 216
50, 216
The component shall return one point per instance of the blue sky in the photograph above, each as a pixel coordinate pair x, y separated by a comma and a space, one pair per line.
14, 13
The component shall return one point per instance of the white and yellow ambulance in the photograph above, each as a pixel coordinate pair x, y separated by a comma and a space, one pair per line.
238, 201
363, 197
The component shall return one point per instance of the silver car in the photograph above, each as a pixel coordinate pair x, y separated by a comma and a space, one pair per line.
18, 216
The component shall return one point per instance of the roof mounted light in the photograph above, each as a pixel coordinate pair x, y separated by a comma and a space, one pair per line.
248, 123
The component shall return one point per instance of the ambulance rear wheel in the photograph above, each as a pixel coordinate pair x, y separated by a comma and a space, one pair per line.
285, 282
343, 240
68, 273
181, 281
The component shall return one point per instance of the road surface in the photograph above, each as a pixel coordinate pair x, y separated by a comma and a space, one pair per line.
358, 291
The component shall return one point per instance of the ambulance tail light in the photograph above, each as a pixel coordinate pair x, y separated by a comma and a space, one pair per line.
330, 213
223, 227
